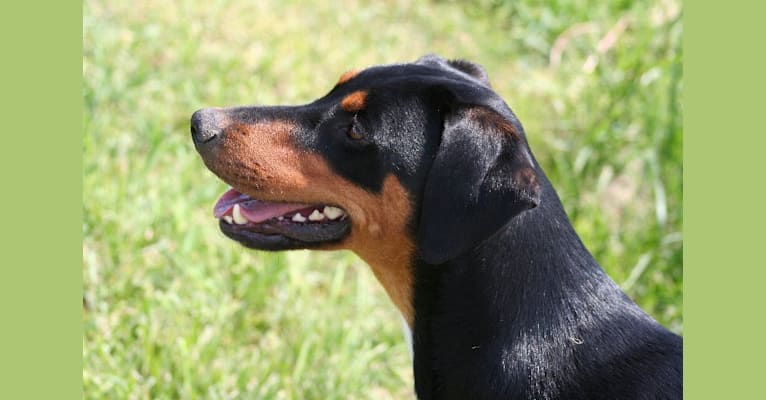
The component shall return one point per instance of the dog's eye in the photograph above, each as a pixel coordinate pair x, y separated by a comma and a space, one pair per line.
354, 131
354, 134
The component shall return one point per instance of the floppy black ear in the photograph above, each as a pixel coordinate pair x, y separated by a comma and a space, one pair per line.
482, 176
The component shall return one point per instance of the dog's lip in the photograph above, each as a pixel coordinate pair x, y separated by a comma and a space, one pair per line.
286, 235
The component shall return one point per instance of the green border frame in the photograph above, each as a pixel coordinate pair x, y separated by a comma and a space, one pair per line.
40, 285
724, 147
41, 281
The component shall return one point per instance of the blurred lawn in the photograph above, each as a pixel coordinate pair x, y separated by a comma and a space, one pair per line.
175, 310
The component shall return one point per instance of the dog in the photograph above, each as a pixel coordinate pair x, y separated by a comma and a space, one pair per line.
424, 172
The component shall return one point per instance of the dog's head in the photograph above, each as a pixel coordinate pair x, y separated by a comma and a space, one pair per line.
397, 161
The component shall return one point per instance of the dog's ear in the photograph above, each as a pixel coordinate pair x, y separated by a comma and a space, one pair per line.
482, 176
472, 69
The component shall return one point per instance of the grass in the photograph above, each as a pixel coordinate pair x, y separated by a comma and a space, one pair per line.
175, 310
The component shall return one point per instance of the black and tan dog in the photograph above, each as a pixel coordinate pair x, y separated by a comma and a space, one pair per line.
423, 171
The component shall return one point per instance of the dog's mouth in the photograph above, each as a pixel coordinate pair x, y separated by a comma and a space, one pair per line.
279, 226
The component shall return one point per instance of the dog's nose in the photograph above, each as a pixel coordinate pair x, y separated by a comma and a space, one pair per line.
205, 125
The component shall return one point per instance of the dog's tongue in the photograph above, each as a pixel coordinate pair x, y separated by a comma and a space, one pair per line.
254, 210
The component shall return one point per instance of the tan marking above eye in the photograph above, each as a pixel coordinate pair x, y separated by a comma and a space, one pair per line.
354, 102
347, 76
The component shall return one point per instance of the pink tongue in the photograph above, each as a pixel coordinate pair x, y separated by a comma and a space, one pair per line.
254, 210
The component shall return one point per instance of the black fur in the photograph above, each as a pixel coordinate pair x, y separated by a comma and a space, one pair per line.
530, 314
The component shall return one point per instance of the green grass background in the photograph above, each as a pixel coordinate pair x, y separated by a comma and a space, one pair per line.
172, 309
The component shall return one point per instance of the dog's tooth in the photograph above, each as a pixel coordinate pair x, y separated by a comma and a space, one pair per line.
228, 219
299, 218
316, 216
332, 212
239, 219
280, 218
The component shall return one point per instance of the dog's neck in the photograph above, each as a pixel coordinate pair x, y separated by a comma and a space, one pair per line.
526, 296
